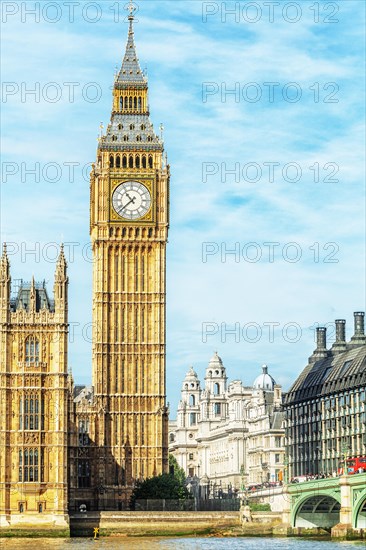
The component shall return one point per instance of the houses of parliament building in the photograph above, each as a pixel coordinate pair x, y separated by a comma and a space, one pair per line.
64, 445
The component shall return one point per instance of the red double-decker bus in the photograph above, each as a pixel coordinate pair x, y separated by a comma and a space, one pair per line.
354, 465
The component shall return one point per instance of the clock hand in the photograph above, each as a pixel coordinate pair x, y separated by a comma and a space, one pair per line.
132, 200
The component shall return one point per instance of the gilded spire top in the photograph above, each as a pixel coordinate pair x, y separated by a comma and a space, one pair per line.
132, 9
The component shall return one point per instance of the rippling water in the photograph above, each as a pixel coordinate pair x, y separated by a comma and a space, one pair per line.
122, 543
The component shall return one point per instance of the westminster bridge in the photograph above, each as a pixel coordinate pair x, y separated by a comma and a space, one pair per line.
335, 503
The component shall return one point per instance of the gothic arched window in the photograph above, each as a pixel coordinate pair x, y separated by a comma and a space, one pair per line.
111, 162
29, 465
31, 350
29, 412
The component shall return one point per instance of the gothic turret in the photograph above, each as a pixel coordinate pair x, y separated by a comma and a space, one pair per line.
61, 285
60, 288
5, 282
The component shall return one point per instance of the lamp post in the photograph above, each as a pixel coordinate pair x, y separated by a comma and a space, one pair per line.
285, 463
198, 480
265, 468
242, 474
243, 488
300, 463
317, 454
344, 450
205, 482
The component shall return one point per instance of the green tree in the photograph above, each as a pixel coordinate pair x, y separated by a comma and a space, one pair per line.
176, 470
164, 486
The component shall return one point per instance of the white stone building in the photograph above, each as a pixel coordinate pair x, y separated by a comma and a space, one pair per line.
228, 435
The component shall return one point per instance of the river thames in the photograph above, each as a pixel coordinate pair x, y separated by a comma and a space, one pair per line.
210, 543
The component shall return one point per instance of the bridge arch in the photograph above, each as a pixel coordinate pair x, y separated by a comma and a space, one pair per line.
359, 517
317, 510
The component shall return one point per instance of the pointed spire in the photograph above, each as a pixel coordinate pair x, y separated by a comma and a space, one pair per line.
4, 257
5, 286
32, 294
130, 125
131, 71
61, 259
61, 266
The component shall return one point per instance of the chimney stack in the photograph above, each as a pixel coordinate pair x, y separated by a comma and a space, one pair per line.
359, 337
321, 339
340, 330
321, 345
340, 342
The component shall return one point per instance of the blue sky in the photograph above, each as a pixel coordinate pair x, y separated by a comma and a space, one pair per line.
319, 137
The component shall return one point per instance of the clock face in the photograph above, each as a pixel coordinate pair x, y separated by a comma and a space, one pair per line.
131, 200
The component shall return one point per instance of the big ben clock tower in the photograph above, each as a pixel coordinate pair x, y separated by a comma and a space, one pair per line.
129, 229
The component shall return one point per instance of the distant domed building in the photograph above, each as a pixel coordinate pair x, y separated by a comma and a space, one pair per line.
264, 381
227, 432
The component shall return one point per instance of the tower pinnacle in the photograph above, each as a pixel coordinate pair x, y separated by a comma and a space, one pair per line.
61, 266
130, 125
131, 71
4, 264
4, 260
